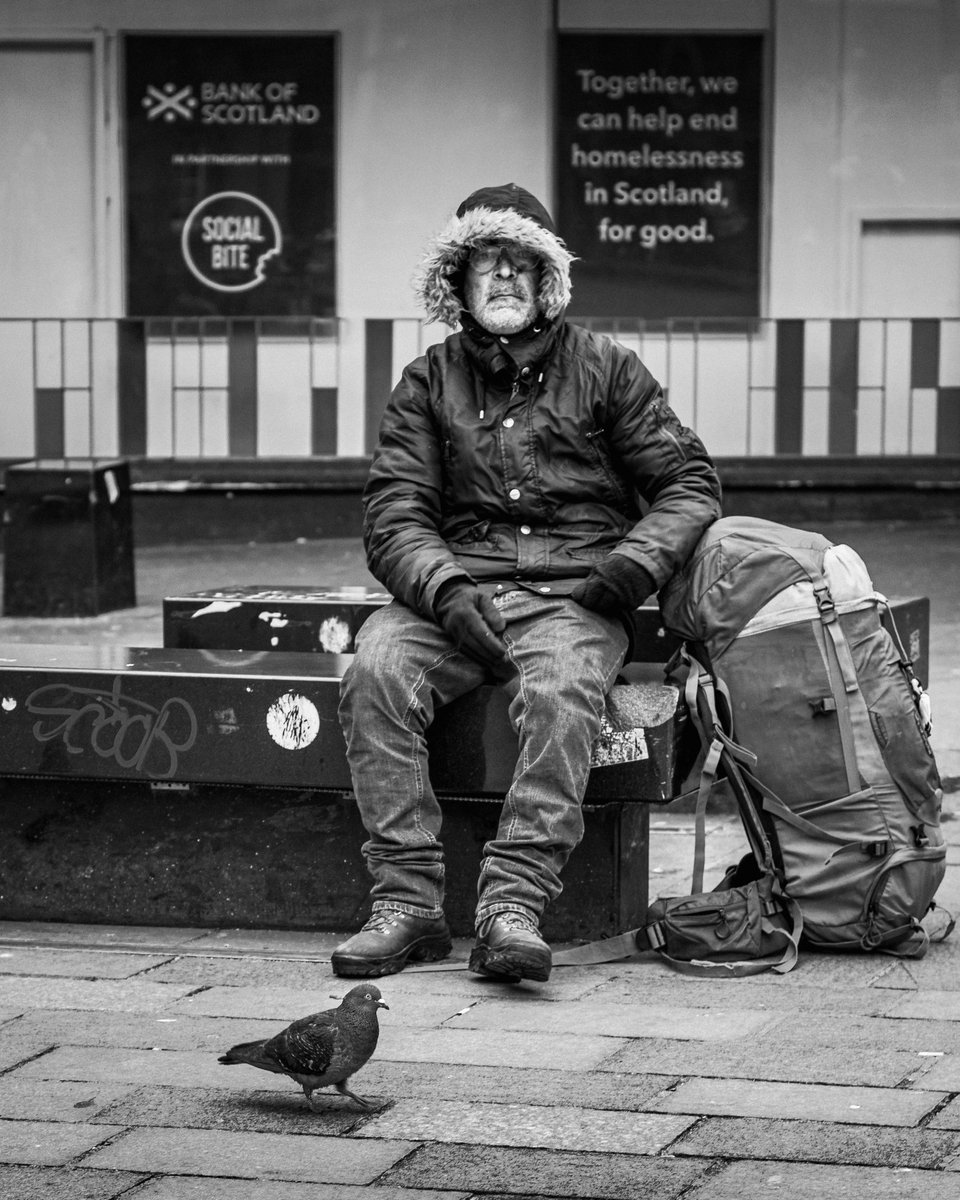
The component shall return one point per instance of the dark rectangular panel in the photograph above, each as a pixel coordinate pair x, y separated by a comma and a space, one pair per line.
48, 412
788, 406
379, 374
242, 386
844, 355
323, 425
924, 353
132, 387
948, 420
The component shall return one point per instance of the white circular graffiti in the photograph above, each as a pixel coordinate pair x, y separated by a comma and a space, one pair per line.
334, 636
293, 721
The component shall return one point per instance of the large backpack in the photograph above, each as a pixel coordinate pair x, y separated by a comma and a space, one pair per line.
810, 716
812, 685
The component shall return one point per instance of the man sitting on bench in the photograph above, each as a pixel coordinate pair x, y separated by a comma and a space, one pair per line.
503, 514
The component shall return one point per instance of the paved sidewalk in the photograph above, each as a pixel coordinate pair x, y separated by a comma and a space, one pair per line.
625, 1080
841, 1079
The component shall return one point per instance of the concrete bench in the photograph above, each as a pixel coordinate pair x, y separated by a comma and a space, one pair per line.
193, 786
205, 783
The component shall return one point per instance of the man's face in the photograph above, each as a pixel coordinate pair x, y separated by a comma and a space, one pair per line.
500, 288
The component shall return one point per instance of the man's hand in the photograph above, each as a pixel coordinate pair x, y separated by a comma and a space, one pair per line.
615, 585
472, 620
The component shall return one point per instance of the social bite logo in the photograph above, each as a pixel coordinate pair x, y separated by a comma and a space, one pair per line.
227, 240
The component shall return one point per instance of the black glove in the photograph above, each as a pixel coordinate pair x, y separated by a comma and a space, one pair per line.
615, 585
472, 620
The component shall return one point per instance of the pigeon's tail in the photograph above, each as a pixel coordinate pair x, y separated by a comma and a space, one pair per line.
250, 1053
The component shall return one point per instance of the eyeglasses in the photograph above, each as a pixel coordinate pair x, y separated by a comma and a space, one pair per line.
483, 259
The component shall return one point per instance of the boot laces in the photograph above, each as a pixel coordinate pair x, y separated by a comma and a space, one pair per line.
381, 921
518, 920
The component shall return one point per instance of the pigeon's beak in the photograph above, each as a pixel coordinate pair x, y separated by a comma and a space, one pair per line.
381, 1004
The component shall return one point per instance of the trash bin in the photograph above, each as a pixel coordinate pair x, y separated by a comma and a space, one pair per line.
68, 538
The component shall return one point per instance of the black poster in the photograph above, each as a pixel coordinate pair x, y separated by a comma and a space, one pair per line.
230, 186
659, 168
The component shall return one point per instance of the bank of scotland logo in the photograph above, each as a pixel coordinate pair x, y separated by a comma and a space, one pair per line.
169, 102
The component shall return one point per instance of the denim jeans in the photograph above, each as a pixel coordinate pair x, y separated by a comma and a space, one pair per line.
563, 659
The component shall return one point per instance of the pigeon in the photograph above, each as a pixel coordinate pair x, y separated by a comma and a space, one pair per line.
322, 1049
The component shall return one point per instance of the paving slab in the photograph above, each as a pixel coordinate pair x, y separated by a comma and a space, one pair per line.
165, 1068
929, 1005
637, 1020
250, 1155
867, 1032
40, 1100
810, 1181
535, 1173
65, 1183
820, 1141
493, 1047
947, 1117
940, 969
664, 988
82, 964
66, 933
57, 1027
457, 1081
553, 1127
48, 1143
251, 1111
798, 1101
569, 983
284, 1004
183, 1187
943, 1074
223, 970
131, 995
318, 944
18, 1044
766, 1058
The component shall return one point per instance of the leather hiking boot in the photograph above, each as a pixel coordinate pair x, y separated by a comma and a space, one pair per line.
509, 947
389, 940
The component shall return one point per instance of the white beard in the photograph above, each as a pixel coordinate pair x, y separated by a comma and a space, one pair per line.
505, 314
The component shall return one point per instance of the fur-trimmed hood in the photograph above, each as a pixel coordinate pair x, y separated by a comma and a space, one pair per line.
497, 214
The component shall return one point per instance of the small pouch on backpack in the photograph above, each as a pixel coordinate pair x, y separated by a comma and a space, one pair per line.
738, 929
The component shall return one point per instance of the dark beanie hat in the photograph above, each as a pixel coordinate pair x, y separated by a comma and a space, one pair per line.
509, 195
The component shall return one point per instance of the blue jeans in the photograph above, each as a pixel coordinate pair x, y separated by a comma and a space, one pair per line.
564, 659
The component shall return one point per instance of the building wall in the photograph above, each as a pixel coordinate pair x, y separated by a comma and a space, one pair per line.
440, 96
866, 126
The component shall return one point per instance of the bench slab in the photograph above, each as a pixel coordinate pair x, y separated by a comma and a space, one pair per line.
296, 618
132, 853
269, 719
199, 787
257, 617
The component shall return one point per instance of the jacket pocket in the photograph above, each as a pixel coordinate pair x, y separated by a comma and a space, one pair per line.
613, 487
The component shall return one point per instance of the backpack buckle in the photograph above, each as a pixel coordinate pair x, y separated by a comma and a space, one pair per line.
825, 604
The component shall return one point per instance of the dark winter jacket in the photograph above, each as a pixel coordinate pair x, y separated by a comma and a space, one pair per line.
526, 460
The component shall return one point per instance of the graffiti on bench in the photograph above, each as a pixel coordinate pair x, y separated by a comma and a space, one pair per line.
115, 726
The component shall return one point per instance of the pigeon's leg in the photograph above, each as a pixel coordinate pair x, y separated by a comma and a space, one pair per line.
308, 1092
345, 1091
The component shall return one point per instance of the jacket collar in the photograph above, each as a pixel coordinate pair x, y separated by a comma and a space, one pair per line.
512, 358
